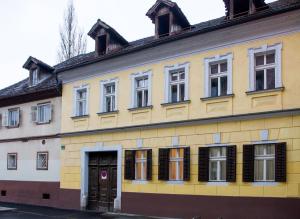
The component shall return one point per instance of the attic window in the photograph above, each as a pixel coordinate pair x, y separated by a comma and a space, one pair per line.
241, 9
102, 45
164, 25
34, 77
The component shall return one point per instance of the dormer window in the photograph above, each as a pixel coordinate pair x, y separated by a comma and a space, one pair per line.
106, 38
168, 18
101, 44
34, 77
164, 25
238, 8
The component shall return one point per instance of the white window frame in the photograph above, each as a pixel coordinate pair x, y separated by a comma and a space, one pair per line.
37, 160
264, 157
9, 155
143, 161
217, 159
102, 94
9, 121
214, 60
177, 159
34, 77
168, 71
134, 78
75, 90
47, 116
252, 52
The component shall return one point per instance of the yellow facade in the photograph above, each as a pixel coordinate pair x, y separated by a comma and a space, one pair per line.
282, 129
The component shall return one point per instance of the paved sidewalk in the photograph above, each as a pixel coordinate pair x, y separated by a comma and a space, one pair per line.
16, 211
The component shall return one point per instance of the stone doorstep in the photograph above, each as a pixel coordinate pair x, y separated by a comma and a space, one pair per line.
6, 209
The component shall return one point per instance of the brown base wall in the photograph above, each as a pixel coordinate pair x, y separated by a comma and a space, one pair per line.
210, 207
32, 193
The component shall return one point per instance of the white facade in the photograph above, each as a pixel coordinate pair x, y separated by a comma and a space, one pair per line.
27, 140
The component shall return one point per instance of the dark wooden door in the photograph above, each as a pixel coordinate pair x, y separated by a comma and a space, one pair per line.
102, 181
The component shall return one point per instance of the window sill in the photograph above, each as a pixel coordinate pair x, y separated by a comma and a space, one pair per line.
140, 182
216, 98
176, 103
217, 183
43, 123
175, 182
265, 91
13, 127
108, 113
140, 108
80, 117
41, 169
271, 183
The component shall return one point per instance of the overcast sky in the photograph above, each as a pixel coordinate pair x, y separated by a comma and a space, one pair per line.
31, 27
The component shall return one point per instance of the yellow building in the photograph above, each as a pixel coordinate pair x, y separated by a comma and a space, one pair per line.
197, 121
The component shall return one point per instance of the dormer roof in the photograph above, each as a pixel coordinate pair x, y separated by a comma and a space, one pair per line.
173, 7
102, 25
31, 60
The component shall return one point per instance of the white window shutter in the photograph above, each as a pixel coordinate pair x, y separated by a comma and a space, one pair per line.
50, 112
18, 117
74, 102
5, 119
34, 113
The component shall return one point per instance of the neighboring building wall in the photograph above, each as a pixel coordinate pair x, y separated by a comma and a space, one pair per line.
27, 127
27, 184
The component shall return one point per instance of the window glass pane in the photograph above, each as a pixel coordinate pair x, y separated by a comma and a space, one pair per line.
182, 75
181, 94
138, 170
223, 67
260, 80
271, 58
214, 69
213, 170
214, 87
173, 153
223, 151
223, 170
270, 78
259, 150
270, 149
259, 60
174, 76
145, 98
174, 93
139, 98
113, 103
108, 104
270, 170
259, 170
172, 174
180, 177
223, 85
214, 152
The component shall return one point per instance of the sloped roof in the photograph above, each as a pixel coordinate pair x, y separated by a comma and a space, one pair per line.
277, 7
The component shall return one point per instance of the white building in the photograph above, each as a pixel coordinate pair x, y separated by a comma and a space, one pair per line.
30, 114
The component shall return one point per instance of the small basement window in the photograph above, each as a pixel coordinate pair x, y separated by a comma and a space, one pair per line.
102, 44
3, 192
46, 196
164, 25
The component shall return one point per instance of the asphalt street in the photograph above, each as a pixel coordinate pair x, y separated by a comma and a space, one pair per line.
34, 212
